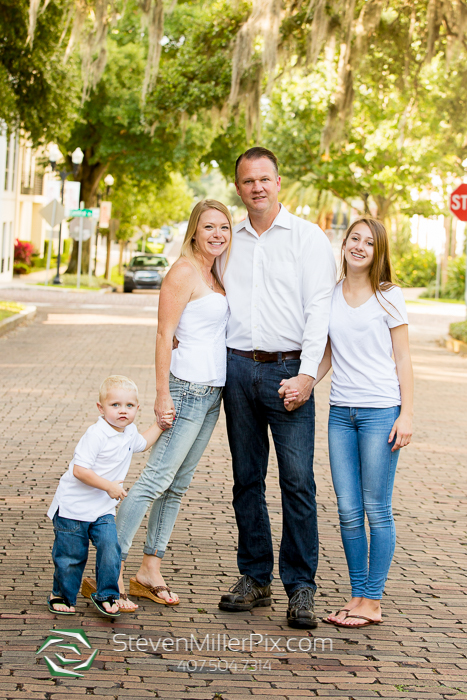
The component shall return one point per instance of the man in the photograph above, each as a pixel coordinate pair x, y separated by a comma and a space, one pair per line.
279, 281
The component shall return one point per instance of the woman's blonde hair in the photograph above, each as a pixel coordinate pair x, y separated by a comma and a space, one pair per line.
381, 274
189, 244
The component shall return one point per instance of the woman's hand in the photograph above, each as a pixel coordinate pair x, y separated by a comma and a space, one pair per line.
402, 428
165, 411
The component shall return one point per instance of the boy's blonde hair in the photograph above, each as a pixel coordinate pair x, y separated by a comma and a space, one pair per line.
113, 382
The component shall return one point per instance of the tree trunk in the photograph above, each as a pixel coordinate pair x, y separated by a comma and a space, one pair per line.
107, 257
445, 258
120, 259
89, 176
72, 268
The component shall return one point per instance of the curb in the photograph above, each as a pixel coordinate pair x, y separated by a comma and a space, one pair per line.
24, 316
454, 345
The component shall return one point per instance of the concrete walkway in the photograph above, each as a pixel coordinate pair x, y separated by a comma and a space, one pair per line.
50, 372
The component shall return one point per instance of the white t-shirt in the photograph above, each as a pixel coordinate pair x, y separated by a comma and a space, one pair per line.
364, 373
108, 453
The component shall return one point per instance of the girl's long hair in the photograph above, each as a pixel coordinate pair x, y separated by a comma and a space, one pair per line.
189, 247
381, 274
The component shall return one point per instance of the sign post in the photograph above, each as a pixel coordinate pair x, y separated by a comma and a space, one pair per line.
458, 206
53, 213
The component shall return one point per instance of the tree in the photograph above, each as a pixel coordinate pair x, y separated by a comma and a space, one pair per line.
138, 204
38, 93
176, 123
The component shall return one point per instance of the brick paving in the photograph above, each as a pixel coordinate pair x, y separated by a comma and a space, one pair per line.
50, 373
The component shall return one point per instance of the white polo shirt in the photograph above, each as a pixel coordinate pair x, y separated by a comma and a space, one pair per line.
108, 453
279, 287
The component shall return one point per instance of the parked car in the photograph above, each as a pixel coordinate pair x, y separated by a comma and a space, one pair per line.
145, 272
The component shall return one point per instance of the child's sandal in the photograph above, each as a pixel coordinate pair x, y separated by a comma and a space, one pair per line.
100, 606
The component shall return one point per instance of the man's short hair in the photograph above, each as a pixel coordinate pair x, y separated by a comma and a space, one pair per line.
116, 381
254, 154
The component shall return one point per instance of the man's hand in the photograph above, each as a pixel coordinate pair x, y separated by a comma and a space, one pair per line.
296, 391
164, 406
116, 490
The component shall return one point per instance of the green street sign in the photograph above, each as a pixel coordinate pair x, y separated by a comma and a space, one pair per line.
85, 213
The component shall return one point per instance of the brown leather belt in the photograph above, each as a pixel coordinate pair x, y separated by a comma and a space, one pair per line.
262, 356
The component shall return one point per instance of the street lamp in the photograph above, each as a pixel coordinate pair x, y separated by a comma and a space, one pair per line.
76, 159
109, 181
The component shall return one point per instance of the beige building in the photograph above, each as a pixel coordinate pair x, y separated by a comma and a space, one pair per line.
23, 180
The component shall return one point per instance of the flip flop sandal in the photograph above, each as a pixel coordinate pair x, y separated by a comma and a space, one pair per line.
89, 586
368, 622
137, 589
330, 622
59, 601
100, 606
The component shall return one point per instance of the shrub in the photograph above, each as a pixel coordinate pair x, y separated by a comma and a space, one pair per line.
23, 252
459, 331
20, 268
455, 285
416, 267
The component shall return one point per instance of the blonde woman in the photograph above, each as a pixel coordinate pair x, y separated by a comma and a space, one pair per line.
189, 382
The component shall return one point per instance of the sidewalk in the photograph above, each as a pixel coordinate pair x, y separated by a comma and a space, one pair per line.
50, 372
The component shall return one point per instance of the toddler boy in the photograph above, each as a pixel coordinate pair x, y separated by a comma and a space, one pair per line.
83, 507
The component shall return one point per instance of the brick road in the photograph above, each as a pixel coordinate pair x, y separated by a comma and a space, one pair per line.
50, 373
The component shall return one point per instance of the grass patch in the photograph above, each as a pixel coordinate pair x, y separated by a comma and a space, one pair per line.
458, 331
9, 308
70, 281
424, 300
115, 278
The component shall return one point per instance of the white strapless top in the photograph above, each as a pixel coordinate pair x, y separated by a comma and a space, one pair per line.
201, 354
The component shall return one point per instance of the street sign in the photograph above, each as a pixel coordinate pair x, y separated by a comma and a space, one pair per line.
87, 227
458, 202
53, 213
96, 213
85, 213
106, 209
71, 192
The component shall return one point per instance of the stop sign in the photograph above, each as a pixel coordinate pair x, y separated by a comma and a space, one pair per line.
458, 203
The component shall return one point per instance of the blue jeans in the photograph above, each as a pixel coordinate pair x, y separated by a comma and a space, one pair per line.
170, 467
70, 554
251, 405
363, 470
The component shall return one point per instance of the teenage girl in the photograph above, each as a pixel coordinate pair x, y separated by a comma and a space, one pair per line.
371, 408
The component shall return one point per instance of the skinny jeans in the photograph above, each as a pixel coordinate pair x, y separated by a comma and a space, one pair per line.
363, 470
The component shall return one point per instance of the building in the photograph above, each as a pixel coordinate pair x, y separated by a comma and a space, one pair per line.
24, 172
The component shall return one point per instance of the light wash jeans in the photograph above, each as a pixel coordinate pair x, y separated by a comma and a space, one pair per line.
170, 467
363, 470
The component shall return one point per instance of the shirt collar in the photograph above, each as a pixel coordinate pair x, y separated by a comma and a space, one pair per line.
106, 428
283, 219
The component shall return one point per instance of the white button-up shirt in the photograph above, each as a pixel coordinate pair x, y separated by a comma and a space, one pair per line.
279, 287
108, 453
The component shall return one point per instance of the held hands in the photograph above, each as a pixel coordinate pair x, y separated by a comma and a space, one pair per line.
116, 490
165, 411
296, 391
403, 429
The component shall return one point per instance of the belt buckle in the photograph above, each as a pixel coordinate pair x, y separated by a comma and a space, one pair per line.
255, 358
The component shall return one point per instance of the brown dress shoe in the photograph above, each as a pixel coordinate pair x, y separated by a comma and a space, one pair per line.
300, 613
245, 595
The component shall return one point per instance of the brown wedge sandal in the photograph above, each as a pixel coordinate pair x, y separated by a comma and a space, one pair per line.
137, 589
89, 586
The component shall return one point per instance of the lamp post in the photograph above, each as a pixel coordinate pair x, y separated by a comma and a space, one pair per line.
76, 160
